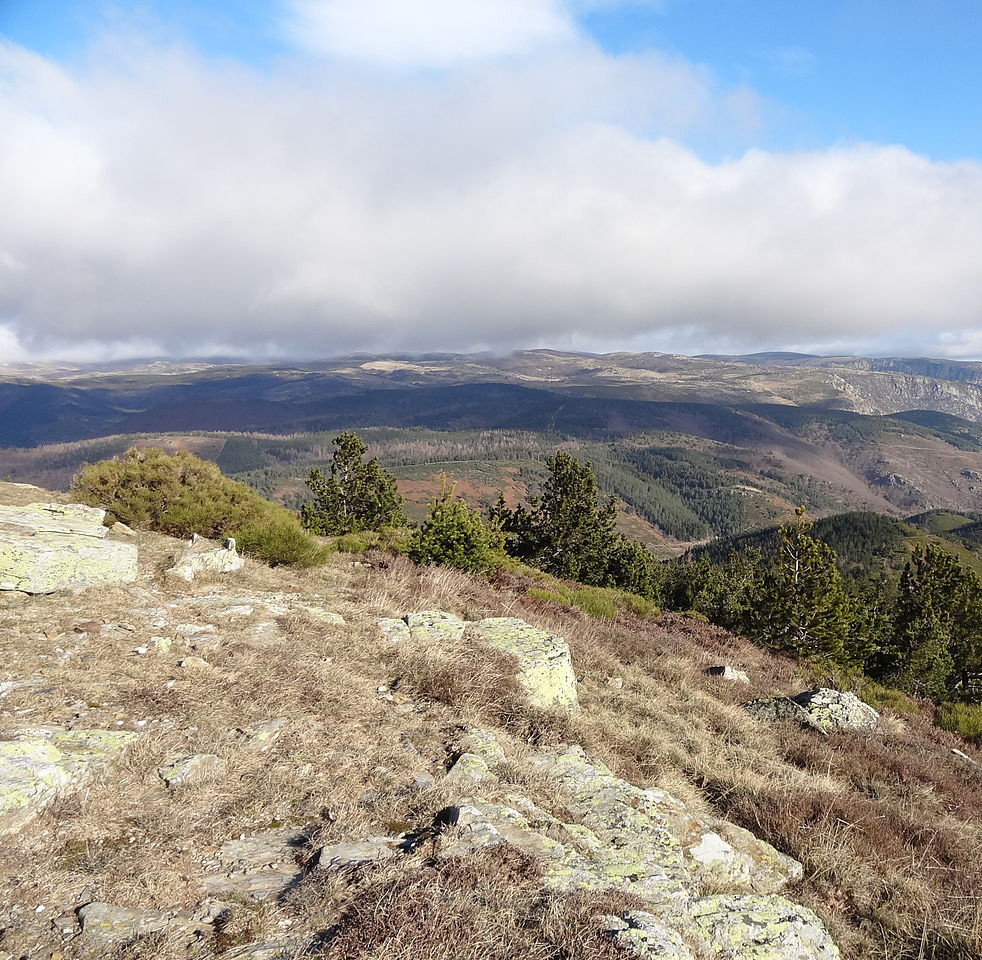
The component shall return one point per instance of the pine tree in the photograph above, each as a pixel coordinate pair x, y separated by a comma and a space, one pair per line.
803, 609
930, 589
356, 496
567, 532
455, 536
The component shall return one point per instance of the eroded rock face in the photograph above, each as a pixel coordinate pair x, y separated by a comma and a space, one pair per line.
824, 710
545, 669
38, 765
46, 547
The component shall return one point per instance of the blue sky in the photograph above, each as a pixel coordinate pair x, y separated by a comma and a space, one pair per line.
321, 176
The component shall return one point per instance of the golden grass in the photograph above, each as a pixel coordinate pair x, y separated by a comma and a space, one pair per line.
888, 826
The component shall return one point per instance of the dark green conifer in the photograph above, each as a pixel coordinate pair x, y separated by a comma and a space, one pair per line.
803, 609
356, 496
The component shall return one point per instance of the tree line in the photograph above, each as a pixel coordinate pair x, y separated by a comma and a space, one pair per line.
922, 633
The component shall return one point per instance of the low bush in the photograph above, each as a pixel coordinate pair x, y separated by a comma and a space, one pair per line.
180, 495
965, 719
602, 602
394, 540
455, 536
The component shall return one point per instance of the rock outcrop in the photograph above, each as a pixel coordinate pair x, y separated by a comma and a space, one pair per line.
38, 765
646, 843
46, 547
198, 558
823, 710
545, 669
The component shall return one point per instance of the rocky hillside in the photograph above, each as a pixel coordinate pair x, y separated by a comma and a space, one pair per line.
204, 757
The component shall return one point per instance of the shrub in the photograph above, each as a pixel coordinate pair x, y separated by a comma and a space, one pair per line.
180, 495
965, 719
394, 540
601, 602
455, 536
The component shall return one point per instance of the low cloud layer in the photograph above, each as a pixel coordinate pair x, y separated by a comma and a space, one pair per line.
536, 191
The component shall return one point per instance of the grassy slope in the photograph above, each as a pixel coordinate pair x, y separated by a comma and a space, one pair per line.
888, 826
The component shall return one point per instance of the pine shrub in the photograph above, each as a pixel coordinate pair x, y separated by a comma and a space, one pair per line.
180, 495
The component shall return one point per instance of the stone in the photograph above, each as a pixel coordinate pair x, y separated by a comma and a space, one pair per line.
758, 928
394, 630
260, 866
726, 672
121, 530
200, 768
161, 644
469, 768
261, 736
644, 935
197, 558
39, 765
545, 668
661, 832
615, 683
434, 625
322, 615
195, 664
46, 547
823, 710
483, 744
238, 610
347, 857
121, 924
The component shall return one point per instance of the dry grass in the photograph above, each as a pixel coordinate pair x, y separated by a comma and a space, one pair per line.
887, 826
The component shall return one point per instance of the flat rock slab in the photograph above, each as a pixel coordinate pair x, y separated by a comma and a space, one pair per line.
105, 921
545, 669
46, 547
260, 866
38, 765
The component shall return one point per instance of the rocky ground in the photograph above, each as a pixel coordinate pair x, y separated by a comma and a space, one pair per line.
374, 760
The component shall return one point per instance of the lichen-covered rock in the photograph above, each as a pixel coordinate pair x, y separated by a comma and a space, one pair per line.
824, 710
572, 857
434, 625
468, 768
662, 830
46, 547
198, 558
38, 765
545, 669
393, 629
758, 928
121, 924
199, 768
644, 935
483, 744
260, 737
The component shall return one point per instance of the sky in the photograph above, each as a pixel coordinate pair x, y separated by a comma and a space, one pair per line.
295, 179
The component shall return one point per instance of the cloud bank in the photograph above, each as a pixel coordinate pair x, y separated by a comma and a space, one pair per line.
485, 188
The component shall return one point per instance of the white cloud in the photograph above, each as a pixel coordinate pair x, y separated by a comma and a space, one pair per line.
431, 33
170, 203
